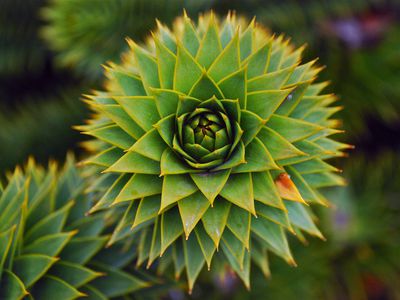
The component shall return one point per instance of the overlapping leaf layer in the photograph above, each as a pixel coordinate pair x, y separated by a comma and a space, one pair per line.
214, 135
48, 248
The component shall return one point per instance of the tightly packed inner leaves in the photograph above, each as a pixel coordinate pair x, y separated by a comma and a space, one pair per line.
213, 136
48, 248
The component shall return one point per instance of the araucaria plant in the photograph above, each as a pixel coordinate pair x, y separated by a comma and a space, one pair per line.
214, 136
48, 248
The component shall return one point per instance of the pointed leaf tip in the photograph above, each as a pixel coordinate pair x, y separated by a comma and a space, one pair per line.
287, 189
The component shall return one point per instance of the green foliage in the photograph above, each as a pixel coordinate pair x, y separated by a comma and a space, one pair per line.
48, 248
213, 135
367, 81
21, 49
41, 126
88, 33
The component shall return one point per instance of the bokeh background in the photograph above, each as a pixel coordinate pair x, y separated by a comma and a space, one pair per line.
51, 52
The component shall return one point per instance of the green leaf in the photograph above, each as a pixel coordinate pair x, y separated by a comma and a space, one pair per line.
11, 190
31, 267
273, 214
12, 287
133, 162
210, 46
320, 180
130, 84
213, 104
242, 271
171, 228
251, 125
187, 71
206, 244
150, 145
274, 236
178, 257
148, 209
105, 158
6, 239
166, 129
51, 287
237, 158
139, 186
215, 218
186, 105
192, 209
49, 245
175, 188
171, 164
308, 104
260, 257
308, 147
51, 224
270, 81
87, 226
293, 58
155, 246
233, 108
93, 293
166, 64
303, 73
292, 129
205, 88
116, 283
227, 62
280, 49
277, 145
211, 183
246, 41
235, 247
142, 109
166, 101
239, 190
118, 115
74, 274
144, 246
189, 36
331, 147
307, 193
81, 250
227, 31
300, 218
293, 99
315, 165
257, 158
147, 66
316, 88
239, 223
113, 135
194, 260
258, 61
166, 37
112, 193
265, 103
235, 87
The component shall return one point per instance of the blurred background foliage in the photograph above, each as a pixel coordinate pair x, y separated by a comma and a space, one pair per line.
51, 52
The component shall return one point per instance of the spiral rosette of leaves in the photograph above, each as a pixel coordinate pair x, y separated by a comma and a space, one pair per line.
48, 248
214, 135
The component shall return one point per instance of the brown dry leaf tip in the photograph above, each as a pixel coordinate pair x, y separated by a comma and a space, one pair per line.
287, 189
